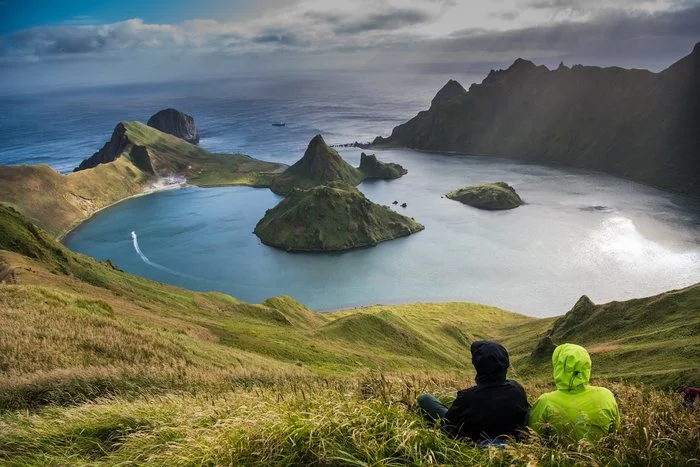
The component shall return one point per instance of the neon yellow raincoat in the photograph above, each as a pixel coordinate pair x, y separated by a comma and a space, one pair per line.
575, 408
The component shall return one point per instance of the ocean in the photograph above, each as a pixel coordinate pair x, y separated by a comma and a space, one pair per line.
579, 233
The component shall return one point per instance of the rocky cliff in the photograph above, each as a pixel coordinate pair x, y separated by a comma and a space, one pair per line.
175, 123
631, 123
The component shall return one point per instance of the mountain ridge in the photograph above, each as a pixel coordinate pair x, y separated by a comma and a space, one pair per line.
629, 123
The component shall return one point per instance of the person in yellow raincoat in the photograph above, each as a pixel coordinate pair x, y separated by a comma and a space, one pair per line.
576, 408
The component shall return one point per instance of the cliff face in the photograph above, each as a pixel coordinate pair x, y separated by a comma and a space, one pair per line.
175, 123
631, 123
110, 151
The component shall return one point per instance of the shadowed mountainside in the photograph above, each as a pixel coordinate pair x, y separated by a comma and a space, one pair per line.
630, 123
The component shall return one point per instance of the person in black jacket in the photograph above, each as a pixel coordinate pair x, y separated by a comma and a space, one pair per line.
495, 408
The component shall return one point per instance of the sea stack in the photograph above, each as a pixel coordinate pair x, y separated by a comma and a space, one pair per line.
175, 123
321, 164
372, 167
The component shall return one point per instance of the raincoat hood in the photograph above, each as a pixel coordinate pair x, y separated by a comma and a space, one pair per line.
490, 359
572, 367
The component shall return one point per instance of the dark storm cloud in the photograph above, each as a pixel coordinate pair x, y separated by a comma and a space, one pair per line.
279, 37
614, 34
385, 21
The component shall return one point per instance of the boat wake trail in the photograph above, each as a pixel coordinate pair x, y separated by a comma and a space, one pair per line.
151, 263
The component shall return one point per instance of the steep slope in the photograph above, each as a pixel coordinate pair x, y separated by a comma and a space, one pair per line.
630, 123
331, 217
135, 157
322, 164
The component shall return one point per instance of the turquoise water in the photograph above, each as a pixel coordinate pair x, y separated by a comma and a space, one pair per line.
579, 233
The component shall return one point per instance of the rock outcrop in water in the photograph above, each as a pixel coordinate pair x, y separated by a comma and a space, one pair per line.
490, 196
322, 164
372, 167
331, 217
175, 123
631, 123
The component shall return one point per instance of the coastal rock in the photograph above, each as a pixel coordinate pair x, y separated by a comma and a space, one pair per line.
489, 196
322, 164
319, 165
630, 123
331, 217
373, 168
175, 123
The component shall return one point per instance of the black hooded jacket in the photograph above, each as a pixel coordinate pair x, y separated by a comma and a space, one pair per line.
495, 406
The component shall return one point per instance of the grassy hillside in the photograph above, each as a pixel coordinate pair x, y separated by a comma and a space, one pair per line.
331, 218
59, 202
98, 366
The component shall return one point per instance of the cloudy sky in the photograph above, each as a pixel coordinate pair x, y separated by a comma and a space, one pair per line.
88, 41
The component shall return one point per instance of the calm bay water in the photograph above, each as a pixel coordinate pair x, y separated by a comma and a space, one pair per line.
579, 233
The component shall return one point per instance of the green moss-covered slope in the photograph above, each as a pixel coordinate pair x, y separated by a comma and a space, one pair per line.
331, 218
135, 157
490, 196
322, 164
101, 367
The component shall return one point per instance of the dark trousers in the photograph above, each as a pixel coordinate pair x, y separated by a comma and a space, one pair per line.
431, 408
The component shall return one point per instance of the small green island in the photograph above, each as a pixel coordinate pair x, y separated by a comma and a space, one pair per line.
489, 196
332, 217
322, 164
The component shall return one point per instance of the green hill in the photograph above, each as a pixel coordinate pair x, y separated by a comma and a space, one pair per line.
331, 217
101, 367
135, 158
631, 123
322, 164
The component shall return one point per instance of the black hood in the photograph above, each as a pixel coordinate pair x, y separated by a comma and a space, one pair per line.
490, 359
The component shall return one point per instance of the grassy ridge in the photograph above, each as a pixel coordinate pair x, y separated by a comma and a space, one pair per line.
98, 366
59, 202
